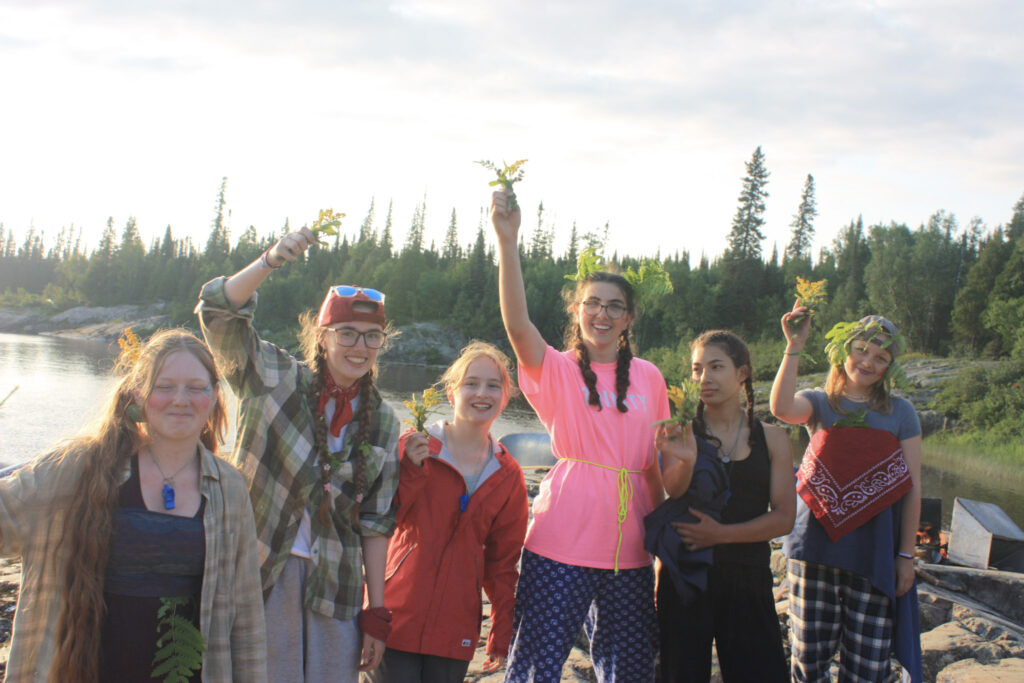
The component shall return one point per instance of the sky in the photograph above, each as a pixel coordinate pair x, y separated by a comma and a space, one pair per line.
639, 114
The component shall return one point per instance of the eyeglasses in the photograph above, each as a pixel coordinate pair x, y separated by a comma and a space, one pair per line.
348, 336
348, 291
614, 310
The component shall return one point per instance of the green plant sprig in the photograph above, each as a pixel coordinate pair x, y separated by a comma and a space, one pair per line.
857, 419
180, 646
809, 294
508, 175
683, 399
327, 223
422, 407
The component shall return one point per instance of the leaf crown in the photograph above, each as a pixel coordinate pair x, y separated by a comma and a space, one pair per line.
649, 281
872, 329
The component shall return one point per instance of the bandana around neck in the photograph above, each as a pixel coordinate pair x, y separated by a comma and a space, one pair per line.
343, 402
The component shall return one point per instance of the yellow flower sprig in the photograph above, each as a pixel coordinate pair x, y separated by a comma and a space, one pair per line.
508, 175
683, 400
810, 294
327, 222
422, 407
131, 349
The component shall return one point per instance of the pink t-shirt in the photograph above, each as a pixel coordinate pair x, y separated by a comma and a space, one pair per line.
575, 514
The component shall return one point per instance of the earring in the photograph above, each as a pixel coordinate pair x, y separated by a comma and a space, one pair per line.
134, 413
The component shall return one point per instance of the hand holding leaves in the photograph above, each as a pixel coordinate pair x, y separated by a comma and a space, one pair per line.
422, 407
683, 400
508, 175
328, 222
810, 294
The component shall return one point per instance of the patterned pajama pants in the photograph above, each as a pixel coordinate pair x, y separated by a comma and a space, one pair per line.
553, 600
830, 608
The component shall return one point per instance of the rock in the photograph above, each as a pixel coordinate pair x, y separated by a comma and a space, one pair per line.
931, 421
426, 344
935, 611
951, 642
971, 671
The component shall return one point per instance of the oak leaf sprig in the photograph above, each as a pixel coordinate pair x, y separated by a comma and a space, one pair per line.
683, 399
327, 222
508, 175
810, 294
422, 407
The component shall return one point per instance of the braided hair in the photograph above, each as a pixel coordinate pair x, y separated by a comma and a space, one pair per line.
739, 354
314, 351
574, 340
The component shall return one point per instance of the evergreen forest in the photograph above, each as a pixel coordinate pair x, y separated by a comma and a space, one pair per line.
952, 288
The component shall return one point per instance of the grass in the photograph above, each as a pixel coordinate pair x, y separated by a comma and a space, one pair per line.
969, 449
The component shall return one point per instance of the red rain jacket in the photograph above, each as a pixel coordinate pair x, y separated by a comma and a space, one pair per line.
439, 558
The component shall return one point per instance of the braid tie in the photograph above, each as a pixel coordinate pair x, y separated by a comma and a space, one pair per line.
589, 376
622, 371
749, 384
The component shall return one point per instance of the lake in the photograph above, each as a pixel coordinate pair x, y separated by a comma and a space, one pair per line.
61, 382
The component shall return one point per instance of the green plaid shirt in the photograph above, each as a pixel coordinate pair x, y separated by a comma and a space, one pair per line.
276, 453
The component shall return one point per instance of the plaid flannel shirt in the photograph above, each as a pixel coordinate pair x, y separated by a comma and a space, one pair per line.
275, 450
33, 506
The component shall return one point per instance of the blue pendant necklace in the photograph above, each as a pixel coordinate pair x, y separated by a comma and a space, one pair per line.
168, 490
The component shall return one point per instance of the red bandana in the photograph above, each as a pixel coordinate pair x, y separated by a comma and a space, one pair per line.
849, 475
343, 402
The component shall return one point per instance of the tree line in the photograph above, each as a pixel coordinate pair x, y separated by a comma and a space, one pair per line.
952, 288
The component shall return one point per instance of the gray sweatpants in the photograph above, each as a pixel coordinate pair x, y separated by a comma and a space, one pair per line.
304, 646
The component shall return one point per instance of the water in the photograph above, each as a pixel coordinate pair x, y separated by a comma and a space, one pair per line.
61, 385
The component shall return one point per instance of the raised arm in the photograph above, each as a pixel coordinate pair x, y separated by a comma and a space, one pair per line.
240, 287
526, 339
784, 402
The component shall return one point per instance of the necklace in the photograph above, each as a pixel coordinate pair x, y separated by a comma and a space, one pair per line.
726, 456
168, 489
857, 399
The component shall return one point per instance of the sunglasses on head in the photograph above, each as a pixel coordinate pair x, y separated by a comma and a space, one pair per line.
348, 292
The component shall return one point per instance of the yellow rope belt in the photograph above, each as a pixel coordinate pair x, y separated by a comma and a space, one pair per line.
625, 487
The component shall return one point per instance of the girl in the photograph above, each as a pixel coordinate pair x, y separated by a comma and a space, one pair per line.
461, 522
737, 611
319, 448
584, 558
135, 516
851, 568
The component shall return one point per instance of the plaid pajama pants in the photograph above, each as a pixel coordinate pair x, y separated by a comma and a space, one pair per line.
831, 608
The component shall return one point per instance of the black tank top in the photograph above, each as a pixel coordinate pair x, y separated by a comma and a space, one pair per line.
749, 482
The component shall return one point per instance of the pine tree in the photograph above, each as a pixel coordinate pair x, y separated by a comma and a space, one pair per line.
799, 247
451, 251
574, 245
414, 238
386, 244
218, 245
366, 230
746, 235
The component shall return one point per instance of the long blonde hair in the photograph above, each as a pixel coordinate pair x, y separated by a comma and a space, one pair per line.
106, 446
